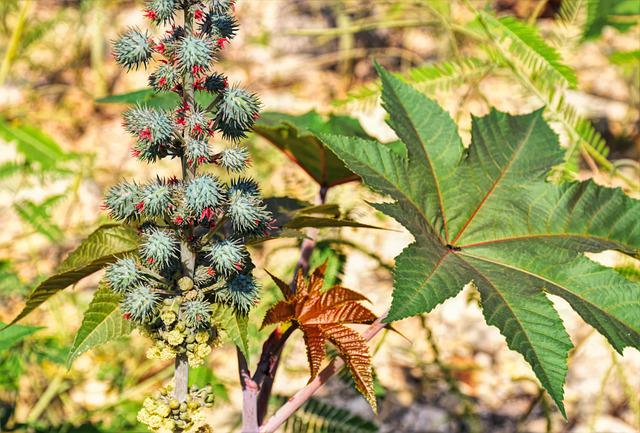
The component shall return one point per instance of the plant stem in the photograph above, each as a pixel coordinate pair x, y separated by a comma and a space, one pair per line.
187, 255
14, 42
300, 397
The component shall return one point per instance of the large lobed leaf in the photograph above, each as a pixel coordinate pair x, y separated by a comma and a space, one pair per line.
487, 215
104, 246
102, 322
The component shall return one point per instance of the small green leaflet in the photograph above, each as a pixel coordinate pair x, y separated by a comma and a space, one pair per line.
102, 323
104, 246
12, 336
486, 215
234, 326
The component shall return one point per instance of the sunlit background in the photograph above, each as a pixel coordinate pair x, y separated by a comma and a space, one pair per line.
62, 146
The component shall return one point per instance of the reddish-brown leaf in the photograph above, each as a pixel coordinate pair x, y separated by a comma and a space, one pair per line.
314, 340
338, 295
345, 313
284, 287
354, 351
316, 281
282, 311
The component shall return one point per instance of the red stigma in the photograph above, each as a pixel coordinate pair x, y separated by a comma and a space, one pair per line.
198, 129
162, 81
207, 213
159, 48
127, 316
140, 206
238, 266
181, 121
150, 14
198, 14
151, 260
135, 153
210, 271
201, 159
145, 134
178, 220
222, 41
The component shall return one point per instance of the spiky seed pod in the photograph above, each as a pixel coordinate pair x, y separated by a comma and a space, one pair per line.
235, 159
169, 43
149, 124
245, 185
196, 121
159, 247
246, 211
139, 304
202, 195
219, 26
222, 6
121, 200
160, 11
132, 49
204, 275
156, 199
215, 83
241, 291
197, 151
197, 313
194, 51
227, 256
165, 78
237, 112
123, 275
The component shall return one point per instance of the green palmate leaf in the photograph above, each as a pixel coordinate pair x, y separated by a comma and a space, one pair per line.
486, 215
297, 137
150, 98
102, 322
12, 336
105, 245
234, 326
38, 216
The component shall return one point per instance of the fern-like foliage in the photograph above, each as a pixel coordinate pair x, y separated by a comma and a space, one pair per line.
316, 416
428, 78
525, 46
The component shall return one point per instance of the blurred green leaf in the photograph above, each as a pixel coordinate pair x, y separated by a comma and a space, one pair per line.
104, 246
15, 334
38, 216
618, 14
151, 98
625, 57
202, 376
10, 282
102, 323
35, 145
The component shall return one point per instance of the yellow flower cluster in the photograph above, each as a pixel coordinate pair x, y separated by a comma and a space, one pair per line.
163, 413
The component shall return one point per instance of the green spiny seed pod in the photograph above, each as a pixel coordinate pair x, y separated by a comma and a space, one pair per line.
202, 195
196, 121
244, 185
246, 211
215, 83
237, 112
156, 199
204, 275
139, 303
197, 313
159, 247
241, 291
197, 151
149, 124
194, 53
227, 256
160, 11
222, 6
121, 200
219, 26
165, 78
234, 159
132, 49
123, 275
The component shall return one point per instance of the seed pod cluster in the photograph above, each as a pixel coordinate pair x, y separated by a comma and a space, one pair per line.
211, 215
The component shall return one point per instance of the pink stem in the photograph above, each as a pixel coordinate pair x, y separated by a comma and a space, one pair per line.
298, 399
